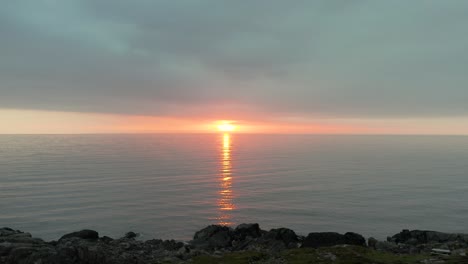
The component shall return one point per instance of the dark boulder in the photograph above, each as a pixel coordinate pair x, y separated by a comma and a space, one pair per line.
20, 248
251, 237
106, 239
213, 237
130, 235
171, 245
31, 255
323, 239
285, 235
386, 246
372, 242
354, 239
328, 239
247, 230
83, 234
83, 247
6, 231
77, 250
417, 237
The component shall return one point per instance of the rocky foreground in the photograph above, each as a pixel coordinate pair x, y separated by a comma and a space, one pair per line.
247, 243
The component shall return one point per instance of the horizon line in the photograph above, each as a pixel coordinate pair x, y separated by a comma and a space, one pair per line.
239, 133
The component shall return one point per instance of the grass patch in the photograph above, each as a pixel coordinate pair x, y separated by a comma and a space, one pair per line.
335, 255
347, 255
232, 258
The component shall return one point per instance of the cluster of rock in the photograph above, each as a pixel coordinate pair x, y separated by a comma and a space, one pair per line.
251, 237
87, 247
421, 241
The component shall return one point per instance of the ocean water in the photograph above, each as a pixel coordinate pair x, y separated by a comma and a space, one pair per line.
169, 186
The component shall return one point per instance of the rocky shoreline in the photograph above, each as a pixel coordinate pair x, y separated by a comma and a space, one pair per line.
214, 242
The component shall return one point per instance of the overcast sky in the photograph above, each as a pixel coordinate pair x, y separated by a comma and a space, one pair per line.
277, 58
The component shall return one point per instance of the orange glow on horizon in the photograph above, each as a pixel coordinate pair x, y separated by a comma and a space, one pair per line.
226, 126
17, 121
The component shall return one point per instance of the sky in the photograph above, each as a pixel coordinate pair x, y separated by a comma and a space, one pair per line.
270, 66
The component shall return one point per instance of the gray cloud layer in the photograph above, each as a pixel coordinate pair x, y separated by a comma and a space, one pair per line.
360, 58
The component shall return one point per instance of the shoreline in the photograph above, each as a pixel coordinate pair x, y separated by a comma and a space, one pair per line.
217, 242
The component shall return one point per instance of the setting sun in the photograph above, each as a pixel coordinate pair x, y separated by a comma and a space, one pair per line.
226, 127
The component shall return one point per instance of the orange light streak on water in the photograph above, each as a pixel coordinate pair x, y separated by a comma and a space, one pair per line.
226, 196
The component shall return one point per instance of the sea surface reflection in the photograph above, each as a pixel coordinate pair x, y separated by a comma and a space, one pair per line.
169, 186
226, 196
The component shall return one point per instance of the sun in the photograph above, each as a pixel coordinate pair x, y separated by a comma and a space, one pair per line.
226, 126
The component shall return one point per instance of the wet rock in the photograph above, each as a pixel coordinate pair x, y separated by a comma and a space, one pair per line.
83, 234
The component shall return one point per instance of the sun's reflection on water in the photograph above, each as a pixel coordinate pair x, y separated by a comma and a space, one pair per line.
225, 201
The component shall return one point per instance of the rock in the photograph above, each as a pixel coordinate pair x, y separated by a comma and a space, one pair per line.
285, 235
372, 242
323, 239
77, 250
328, 239
183, 250
459, 252
85, 247
17, 247
354, 239
126, 245
433, 261
154, 242
31, 255
213, 237
417, 237
21, 238
5, 248
386, 246
83, 234
130, 235
401, 237
247, 230
106, 239
12, 236
413, 241
6, 231
329, 256
271, 241
172, 245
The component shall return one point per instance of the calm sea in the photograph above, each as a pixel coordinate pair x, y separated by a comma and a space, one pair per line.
169, 186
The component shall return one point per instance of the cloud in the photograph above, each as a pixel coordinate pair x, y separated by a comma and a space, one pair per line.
206, 57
